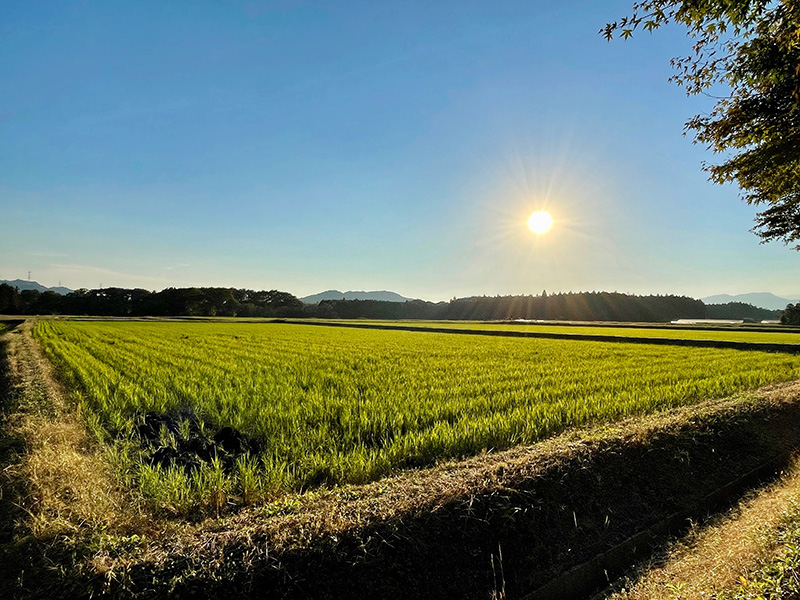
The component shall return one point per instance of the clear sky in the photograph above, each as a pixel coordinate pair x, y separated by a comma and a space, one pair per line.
359, 145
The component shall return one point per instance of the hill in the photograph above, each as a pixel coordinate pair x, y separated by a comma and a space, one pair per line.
760, 299
382, 295
21, 284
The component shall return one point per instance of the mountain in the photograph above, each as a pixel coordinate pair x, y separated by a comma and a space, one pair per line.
21, 284
759, 299
337, 295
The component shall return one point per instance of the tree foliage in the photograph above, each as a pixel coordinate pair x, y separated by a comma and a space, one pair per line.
791, 316
752, 47
230, 302
577, 306
121, 302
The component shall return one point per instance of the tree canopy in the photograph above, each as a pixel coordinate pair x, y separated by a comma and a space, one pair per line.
230, 302
752, 47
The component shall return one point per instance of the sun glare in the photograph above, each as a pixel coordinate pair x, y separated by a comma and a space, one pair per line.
540, 222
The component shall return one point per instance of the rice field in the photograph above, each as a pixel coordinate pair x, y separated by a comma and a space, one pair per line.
302, 406
732, 334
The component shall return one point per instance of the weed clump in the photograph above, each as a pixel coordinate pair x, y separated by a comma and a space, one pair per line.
181, 439
185, 466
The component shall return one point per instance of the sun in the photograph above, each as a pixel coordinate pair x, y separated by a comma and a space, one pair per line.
540, 222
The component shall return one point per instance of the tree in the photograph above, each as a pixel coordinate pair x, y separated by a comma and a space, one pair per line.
28, 300
751, 47
9, 299
791, 316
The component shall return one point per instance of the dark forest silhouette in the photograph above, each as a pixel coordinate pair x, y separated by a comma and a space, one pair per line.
230, 302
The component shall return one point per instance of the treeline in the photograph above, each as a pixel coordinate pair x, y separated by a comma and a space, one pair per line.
229, 302
791, 316
740, 310
121, 302
581, 306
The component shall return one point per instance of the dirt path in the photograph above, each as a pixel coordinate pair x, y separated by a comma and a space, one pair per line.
10, 448
55, 490
19, 551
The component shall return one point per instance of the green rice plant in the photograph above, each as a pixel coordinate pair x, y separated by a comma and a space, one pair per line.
184, 429
250, 483
151, 482
96, 428
212, 484
170, 489
326, 405
123, 458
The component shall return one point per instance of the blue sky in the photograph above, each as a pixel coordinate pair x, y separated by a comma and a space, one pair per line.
359, 145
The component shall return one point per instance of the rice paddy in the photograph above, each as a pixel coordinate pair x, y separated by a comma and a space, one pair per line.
732, 334
269, 408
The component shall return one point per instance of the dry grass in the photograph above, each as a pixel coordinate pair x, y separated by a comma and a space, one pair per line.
69, 488
716, 558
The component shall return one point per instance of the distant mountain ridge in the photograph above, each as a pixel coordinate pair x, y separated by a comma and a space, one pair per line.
383, 295
760, 299
21, 284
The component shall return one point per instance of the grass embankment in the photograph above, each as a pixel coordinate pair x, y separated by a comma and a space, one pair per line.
322, 405
751, 552
511, 520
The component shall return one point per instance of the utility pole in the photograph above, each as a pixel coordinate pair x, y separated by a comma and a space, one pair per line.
29, 275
